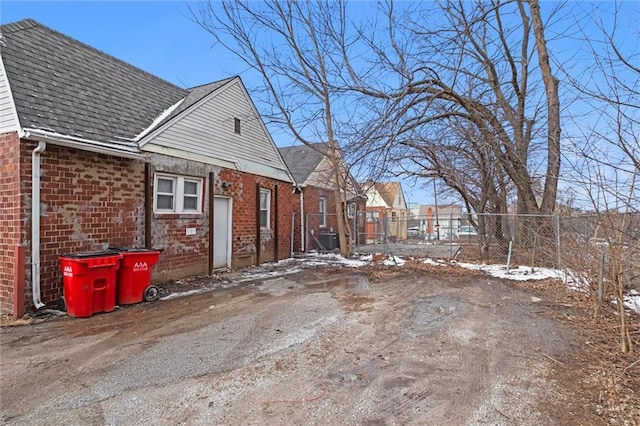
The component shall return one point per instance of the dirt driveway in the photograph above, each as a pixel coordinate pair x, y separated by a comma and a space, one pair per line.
323, 346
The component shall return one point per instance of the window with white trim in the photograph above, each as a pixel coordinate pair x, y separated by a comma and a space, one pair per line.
322, 210
373, 216
265, 208
177, 194
351, 210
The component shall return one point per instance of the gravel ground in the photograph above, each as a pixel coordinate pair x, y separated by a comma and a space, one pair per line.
323, 346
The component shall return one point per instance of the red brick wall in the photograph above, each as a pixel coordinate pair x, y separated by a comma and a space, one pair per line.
91, 201
243, 189
311, 218
10, 224
185, 255
88, 201
375, 229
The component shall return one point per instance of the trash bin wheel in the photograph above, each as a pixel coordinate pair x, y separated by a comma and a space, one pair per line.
151, 293
61, 305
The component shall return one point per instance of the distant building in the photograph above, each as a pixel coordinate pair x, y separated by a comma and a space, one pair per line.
386, 200
442, 222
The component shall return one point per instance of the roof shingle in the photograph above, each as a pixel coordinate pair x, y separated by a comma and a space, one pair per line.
64, 86
302, 160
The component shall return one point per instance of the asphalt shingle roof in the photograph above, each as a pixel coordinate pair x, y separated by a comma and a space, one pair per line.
64, 86
302, 160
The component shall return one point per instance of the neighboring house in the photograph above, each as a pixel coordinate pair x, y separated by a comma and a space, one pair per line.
315, 202
442, 222
386, 204
110, 155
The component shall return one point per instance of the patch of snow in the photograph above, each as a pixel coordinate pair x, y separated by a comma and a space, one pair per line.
128, 146
439, 262
159, 119
185, 293
632, 301
521, 273
572, 280
353, 263
396, 261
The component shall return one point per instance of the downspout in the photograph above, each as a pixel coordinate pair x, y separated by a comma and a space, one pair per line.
302, 215
35, 223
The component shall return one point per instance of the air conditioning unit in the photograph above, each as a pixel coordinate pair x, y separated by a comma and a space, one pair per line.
329, 241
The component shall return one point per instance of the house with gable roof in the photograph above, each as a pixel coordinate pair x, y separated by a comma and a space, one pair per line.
386, 206
315, 202
98, 153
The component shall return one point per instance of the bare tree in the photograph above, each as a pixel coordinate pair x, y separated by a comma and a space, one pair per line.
297, 48
606, 154
472, 62
465, 163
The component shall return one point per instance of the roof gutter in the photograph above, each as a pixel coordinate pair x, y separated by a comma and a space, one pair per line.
35, 223
80, 143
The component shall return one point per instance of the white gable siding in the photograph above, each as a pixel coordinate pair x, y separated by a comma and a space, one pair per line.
399, 202
322, 176
8, 115
374, 199
206, 133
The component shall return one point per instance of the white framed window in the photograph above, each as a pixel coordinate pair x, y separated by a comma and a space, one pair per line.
373, 216
236, 126
322, 210
394, 217
351, 210
265, 208
177, 194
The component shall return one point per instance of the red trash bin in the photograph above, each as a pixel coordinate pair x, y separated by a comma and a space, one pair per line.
134, 275
89, 281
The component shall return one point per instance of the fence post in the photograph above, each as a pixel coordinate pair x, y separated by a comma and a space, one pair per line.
354, 229
450, 235
601, 278
385, 224
306, 233
293, 233
558, 260
509, 255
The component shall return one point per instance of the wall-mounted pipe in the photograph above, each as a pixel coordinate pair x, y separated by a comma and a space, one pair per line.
302, 216
35, 223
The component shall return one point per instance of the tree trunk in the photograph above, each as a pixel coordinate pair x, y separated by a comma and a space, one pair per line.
548, 203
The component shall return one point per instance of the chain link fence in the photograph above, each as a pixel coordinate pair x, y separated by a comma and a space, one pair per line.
587, 244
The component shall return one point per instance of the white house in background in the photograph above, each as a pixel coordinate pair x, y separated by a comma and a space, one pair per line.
442, 222
386, 200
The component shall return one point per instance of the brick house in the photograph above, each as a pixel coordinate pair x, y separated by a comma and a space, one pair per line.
110, 155
386, 204
315, 202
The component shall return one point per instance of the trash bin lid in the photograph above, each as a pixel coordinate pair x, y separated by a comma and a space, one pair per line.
91, 254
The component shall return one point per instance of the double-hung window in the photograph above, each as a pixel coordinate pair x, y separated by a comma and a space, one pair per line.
177, 194
322, 211
265, 208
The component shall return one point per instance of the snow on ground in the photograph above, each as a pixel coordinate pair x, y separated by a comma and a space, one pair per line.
184, 293
438, 262
527, 273
632, 301
520, 273
395, 261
